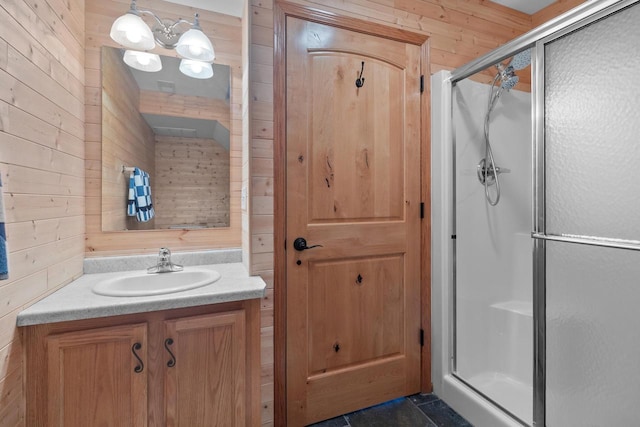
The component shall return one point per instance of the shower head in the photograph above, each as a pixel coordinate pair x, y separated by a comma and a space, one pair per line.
510, 82
521, 60
508, 77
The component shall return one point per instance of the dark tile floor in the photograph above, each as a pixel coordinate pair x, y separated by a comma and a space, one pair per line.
419, 410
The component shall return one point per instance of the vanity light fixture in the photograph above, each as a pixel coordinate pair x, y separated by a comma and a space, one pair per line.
131, 31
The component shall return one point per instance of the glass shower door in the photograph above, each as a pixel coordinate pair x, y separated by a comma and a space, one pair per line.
493, 247
592, 222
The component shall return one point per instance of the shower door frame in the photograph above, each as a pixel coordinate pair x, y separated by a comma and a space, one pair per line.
536, 40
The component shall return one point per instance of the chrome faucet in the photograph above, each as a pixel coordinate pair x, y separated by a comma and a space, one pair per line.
164, 264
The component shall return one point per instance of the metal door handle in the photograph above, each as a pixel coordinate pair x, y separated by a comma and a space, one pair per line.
300, 244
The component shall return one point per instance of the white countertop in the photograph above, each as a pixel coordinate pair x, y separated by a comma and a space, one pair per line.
76, 300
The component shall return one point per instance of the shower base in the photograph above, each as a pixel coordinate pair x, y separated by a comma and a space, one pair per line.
515, 396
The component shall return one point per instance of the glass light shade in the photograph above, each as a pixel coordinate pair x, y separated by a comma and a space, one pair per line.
131, 31
195, 45
196, 69
143, 61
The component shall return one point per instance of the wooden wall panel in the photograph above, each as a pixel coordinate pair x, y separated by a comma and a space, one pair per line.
225, 33
246, 64
192, 182
553, 10
41, 166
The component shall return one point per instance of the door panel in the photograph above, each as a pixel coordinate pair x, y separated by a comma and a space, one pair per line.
354, 181
367, 311
353, 187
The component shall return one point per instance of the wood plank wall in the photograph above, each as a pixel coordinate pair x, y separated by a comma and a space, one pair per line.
192, 182
129, 141
553, 10
258, 243
459, 32
225, 33
246, 136
42, 167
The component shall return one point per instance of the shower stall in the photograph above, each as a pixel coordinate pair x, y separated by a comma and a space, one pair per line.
536, 225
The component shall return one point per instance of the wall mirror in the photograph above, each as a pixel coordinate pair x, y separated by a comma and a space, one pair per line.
177, 129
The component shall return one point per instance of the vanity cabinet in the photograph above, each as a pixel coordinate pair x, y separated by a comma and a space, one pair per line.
193, 367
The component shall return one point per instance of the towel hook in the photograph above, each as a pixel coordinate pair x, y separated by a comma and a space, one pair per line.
360, 79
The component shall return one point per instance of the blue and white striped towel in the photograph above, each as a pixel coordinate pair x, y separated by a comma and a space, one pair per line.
140, 204
4, 260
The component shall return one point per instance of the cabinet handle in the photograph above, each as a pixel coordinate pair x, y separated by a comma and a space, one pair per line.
172, 362
140, 367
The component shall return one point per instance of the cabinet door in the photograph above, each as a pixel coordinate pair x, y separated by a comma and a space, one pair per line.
205, 380
98, 377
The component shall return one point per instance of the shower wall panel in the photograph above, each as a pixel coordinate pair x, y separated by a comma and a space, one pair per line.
493, 249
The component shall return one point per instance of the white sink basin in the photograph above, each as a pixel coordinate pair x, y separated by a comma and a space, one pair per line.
140, 283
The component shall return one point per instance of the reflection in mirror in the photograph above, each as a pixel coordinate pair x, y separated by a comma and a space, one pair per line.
175, 128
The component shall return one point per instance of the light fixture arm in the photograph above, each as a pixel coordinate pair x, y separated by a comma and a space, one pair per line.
180, 21
134, 10
196, 22
174, 24
148, 12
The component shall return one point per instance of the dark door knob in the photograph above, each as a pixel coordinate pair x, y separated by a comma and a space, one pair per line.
300, 244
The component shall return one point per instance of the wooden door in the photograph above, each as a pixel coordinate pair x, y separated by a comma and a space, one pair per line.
353, 188
206, 370
95, 379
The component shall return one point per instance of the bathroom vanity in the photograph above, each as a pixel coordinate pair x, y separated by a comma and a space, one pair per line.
188, 358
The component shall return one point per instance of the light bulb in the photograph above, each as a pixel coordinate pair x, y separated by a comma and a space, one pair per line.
134, 35
144, 59
195, 45
196, 69
131, 31
195, 50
